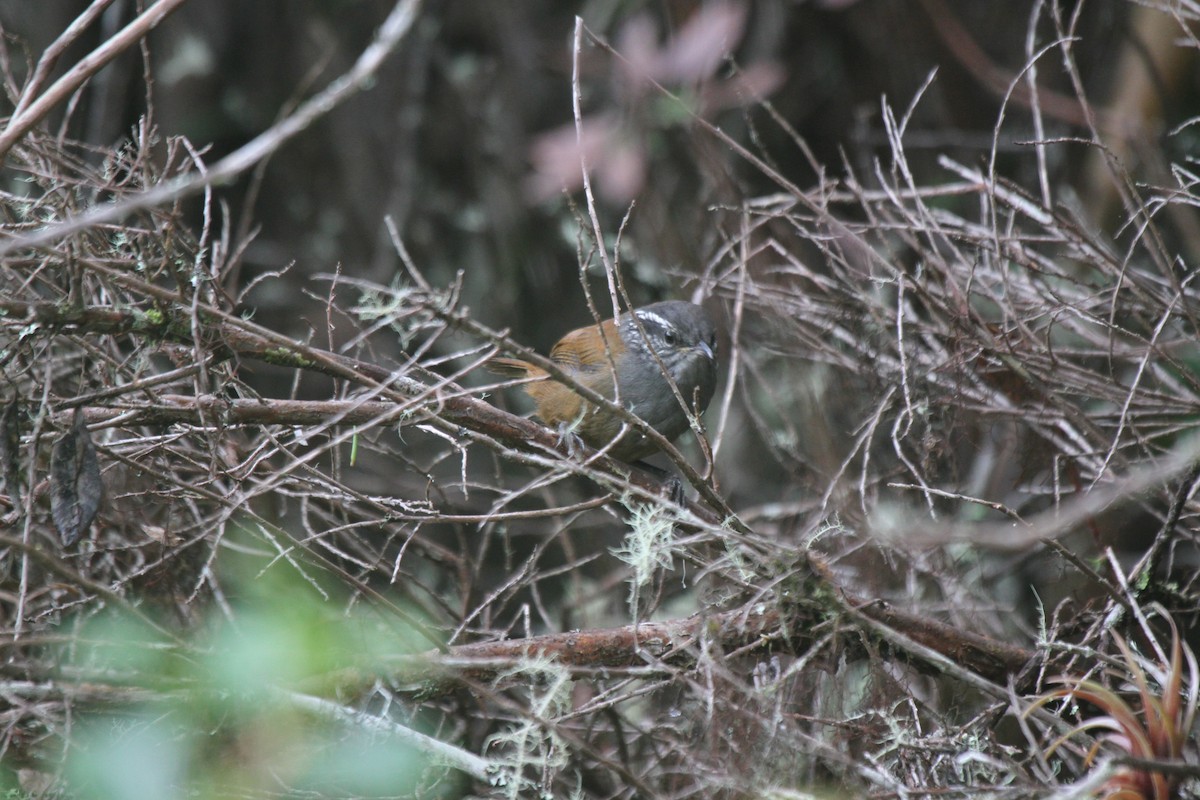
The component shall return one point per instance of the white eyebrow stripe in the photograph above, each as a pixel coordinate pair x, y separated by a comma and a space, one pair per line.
650, 316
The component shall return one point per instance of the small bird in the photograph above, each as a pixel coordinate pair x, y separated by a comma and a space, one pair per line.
684, 338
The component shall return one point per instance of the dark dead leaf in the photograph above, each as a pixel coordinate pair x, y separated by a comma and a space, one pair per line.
10, 444
75, 486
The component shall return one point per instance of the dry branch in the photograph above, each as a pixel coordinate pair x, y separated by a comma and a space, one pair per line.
956, 420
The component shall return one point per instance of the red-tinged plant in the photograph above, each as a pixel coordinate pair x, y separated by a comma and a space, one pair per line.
1157, 733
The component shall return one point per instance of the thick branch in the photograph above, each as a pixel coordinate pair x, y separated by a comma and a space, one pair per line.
671, 643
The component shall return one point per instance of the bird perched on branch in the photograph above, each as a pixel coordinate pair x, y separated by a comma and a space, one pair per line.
671, 338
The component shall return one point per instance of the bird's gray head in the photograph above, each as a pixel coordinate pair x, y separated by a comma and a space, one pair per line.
683, 336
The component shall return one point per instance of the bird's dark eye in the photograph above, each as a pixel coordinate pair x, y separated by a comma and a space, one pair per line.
671, 338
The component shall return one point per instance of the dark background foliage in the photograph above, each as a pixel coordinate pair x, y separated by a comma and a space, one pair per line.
442, 142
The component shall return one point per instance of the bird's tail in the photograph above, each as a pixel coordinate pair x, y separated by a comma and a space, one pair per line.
514, 368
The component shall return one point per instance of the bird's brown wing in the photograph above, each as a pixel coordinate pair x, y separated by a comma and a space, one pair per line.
583, 350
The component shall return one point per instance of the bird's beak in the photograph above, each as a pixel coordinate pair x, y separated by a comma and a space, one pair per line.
708, 351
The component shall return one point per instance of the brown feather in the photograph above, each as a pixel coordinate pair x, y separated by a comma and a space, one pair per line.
556, 404
582, 349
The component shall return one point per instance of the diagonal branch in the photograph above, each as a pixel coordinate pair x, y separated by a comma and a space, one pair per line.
393, 30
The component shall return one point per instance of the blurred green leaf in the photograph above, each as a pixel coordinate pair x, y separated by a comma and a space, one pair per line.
220, 719
129, 758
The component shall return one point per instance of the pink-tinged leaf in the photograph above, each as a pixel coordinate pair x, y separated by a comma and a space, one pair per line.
748, 86
621, 173
558, 156
637, 43
702, 44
